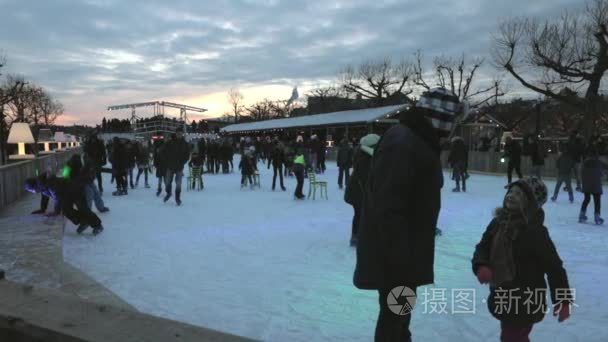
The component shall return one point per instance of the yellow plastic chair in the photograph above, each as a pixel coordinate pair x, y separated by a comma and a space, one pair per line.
313, 184
256, 179
196, 176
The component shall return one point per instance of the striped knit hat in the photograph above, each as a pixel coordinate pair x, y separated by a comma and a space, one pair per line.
443, 108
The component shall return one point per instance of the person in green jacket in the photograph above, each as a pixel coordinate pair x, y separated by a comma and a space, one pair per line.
299, 165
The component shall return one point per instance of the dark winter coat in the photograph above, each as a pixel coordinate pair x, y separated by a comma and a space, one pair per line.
459, 154
95, 150
143, 156
576, 149
513, 152
538, 154
345, 156
534, 255
158, 161
246, 165
592, 172
176, 154
564, 164
119, 156
277, 157
358, 179
196, 160
396, 240
131, 153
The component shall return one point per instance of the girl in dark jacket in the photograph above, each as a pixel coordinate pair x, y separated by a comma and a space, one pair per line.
358, 180
592, 185
514, 255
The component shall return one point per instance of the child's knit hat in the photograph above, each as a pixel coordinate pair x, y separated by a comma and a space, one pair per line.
534, 188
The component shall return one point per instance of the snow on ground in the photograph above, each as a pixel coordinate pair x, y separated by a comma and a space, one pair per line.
259, 264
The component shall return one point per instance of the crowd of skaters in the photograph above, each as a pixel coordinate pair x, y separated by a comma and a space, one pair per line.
577, 161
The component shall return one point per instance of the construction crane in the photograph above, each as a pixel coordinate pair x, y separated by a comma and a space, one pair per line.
159, 109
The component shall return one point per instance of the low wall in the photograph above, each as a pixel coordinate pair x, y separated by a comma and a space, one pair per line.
490, 162
13, 176
29, 314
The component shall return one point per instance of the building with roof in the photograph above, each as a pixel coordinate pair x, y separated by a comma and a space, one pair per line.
331, 126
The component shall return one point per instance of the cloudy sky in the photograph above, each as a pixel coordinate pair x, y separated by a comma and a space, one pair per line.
94, 53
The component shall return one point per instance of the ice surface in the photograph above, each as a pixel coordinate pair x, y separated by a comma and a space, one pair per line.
259, 264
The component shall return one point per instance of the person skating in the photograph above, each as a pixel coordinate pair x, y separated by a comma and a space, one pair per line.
92, 194
246, 165
458, 159
176, 154
355, 189
196, 162
564, 164
299, 165
592, 185
131, 153
69, 193
143, 162
159, 164
277, 159
538, 158
514, 255
96, 152
513, 154
576, 148
396, 237
345, 162
119, 160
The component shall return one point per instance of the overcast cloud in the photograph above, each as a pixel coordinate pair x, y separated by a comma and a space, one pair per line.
94, 53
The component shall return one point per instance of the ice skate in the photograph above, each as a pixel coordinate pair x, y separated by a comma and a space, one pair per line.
97, 230
104, 210
167, 196
82, 227
582, 217
598, 220
456, 189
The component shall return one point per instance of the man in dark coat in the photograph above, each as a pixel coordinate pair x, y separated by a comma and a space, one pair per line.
513, 154
576, 149
277, 159
358, 180
345, 162
176, 154
119, 160
458, 159
565, 164
396, 238
159, 164
96, 152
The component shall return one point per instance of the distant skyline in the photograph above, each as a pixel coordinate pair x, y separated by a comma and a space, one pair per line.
93, 53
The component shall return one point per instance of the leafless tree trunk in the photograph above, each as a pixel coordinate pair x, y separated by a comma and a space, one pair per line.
235, 98
568, 53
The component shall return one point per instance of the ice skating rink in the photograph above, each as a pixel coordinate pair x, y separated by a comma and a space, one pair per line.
259, 264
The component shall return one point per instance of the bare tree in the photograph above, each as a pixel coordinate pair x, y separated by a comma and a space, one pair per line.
235, 98
378, 80
457, 75
567, 52
50, 109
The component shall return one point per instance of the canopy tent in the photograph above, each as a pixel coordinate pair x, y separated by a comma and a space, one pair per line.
343, 118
